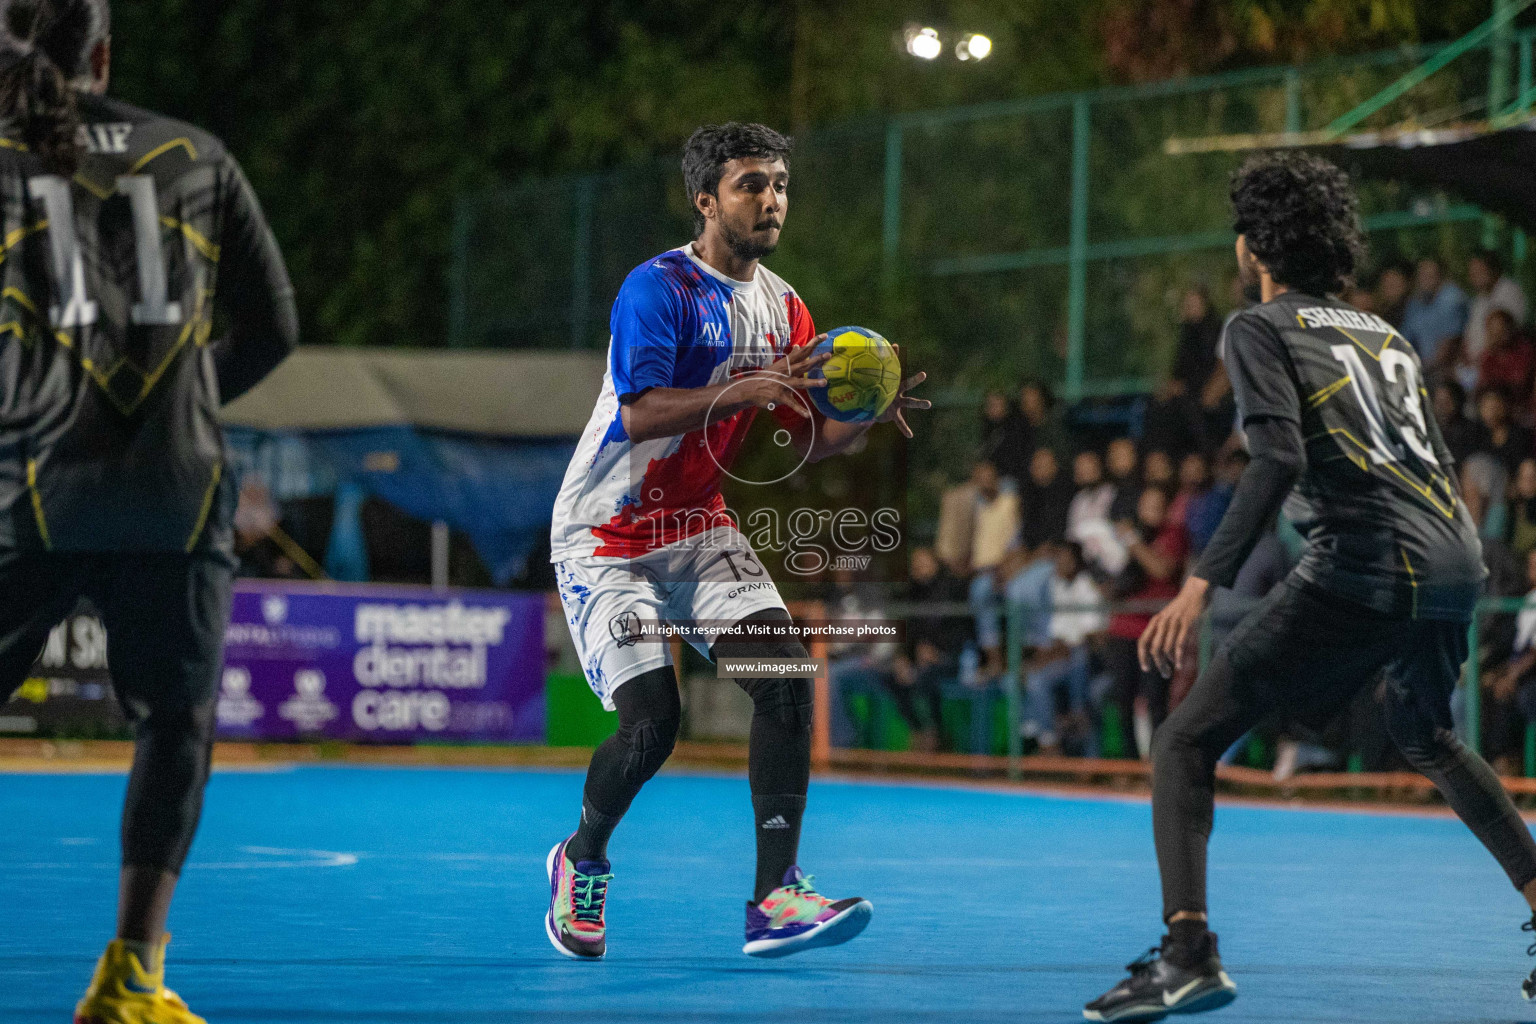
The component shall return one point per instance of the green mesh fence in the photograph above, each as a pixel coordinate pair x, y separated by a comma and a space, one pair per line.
1045, 237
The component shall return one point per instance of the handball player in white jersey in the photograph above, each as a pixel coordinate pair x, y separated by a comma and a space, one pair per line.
702, 338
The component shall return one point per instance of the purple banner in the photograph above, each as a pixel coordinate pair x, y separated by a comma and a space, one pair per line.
382, 664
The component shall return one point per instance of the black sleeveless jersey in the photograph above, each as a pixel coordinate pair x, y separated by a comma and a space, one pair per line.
1378, 504
110, 378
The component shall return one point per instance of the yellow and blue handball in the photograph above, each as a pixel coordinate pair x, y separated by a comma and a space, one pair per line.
863, 376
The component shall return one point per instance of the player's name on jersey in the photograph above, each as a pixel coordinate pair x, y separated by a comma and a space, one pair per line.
1348, 319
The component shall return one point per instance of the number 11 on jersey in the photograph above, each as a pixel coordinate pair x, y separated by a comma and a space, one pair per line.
75, 308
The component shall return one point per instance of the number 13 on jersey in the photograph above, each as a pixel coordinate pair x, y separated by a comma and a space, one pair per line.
1397, 367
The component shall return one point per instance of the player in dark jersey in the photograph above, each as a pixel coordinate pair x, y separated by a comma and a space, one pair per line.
124, 234
1333, 403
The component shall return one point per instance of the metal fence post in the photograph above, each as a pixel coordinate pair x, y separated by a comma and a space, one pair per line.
1077, 281
1292, 100
890, 227
1011, 688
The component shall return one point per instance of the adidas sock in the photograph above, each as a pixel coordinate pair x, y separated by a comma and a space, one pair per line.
778, 839
591, 839
151, 955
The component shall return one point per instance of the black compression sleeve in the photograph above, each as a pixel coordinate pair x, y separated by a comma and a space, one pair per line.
254, 292
1278, 459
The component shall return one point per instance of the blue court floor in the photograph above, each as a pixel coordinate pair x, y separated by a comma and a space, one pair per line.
349, 895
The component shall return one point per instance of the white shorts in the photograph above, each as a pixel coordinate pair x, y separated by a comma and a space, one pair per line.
712, 580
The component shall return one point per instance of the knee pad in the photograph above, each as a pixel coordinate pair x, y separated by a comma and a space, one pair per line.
787, 700
650, 743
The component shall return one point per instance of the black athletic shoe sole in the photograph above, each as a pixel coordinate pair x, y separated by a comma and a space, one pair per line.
1199, 996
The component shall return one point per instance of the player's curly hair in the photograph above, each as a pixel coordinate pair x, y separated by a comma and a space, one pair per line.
711, 147
1301, 218
45, 52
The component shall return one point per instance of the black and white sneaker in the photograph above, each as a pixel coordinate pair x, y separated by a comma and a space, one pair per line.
1158, 986
1528, 986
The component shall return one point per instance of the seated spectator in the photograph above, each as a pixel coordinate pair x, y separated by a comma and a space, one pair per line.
997, 519
1392, 287
1460, 433
1522, 510
1194, 482
957, 525
1491, 290
1088, 522
1509, 360
1484, 483
931, 649
856, 667
1499, 435
1206, 509
1047, 498
1124, 465
1003, 431
1039, 423
1156, 471
1509, 692
1436, 313
1022, 580
1064, 661
1158, 549
1175, 417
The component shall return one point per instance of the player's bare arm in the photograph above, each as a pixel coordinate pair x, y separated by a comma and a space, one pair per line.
667, 412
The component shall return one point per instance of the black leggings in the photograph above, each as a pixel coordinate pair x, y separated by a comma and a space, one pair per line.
650, 713
1308, 653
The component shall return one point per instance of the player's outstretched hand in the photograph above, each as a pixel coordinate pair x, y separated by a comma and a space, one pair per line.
774, 384
902, 402
1171, 633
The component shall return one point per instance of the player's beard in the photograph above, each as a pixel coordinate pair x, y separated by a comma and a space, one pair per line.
743, 246
1248, 275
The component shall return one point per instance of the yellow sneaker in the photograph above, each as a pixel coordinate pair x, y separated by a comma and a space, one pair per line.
123, 992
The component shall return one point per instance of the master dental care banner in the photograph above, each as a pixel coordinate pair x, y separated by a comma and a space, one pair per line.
382, 664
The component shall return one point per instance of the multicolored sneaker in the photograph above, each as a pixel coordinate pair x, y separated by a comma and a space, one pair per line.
577, 893
795, 916
123, 992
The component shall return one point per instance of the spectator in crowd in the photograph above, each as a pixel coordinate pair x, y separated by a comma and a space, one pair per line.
856, 667
1124, 467
1022, 578
1153, 574
999, 430
1499, 435
1207, 508
1522, 510
1156, 471
1039, 423
1491, 290
1392, 287
1450, 404
1197, 365
1174, 418
931, 649
1509, 690
1047, 498
1508, 360
957, 524
1088, 517
1484, 483
257, 527
1436, 312
1064, 661
997, 519
1194, 482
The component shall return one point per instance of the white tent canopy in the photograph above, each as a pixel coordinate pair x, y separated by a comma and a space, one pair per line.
501, 394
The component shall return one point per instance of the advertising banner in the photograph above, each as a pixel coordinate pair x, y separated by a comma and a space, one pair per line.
382, 664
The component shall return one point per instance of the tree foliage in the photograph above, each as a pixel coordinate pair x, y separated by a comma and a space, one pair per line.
361, 121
